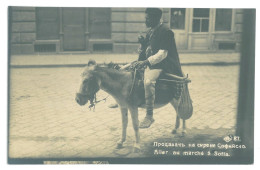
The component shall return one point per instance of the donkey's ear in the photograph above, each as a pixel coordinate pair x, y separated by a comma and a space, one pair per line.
92, 63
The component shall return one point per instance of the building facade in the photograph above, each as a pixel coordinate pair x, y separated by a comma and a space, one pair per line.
61, 30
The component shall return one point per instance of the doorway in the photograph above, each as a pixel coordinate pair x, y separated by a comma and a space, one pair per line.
73, 24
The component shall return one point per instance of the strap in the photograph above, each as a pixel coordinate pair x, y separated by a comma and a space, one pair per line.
133, 84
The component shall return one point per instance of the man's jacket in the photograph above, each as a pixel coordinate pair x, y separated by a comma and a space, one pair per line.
162, 38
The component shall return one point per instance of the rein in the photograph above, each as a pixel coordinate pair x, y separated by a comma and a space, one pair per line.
94, 101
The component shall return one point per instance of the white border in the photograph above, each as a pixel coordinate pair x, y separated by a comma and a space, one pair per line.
117, 3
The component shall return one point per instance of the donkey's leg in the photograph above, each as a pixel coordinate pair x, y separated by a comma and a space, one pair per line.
177, 125
124, 115
135, 121
183, 133
175, 104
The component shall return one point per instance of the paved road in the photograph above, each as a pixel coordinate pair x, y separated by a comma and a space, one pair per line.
46, 122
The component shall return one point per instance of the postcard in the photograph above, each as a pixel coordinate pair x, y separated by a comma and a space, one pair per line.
130, 85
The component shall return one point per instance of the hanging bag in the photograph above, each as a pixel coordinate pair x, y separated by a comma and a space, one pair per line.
185, 108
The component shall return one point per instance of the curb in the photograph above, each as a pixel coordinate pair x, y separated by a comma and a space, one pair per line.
83, 65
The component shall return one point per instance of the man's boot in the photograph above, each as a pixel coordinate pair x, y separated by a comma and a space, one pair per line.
147, 121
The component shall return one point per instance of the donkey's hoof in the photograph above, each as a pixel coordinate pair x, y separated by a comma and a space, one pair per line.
119, 145
137, 148
183, 133
174, 131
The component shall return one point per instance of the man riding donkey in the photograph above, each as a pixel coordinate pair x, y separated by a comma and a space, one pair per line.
158, 53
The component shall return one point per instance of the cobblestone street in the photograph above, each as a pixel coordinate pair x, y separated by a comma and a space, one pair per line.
46, 122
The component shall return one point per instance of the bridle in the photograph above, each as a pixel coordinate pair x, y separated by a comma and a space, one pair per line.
91, 96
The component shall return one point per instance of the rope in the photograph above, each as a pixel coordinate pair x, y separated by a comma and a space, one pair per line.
93, 103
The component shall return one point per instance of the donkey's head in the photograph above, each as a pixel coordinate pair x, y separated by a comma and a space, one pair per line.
89, 85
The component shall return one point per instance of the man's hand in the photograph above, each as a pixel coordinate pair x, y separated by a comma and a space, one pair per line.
140, 64
141, 40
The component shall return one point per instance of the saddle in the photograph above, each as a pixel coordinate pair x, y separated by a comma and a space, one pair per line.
167, 87
164, 82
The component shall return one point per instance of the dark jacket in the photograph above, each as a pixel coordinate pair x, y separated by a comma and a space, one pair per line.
162, 39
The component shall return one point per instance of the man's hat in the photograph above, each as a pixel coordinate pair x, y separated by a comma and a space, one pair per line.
154, 12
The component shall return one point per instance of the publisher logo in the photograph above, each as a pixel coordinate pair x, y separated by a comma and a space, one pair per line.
227, 138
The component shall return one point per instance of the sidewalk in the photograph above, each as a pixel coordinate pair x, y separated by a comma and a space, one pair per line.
77, 60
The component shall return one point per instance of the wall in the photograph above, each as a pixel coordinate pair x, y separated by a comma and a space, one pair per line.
235, 35
238, 27
23, 30
127, 23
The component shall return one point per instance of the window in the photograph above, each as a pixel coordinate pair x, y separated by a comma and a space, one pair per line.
178, 18
223, 19
47, 26
200, 22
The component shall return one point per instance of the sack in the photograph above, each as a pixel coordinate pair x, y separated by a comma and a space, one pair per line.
185, 108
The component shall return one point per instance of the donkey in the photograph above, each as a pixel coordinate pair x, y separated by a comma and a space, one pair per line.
129, 94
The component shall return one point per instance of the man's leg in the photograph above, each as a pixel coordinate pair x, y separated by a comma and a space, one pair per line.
150, 77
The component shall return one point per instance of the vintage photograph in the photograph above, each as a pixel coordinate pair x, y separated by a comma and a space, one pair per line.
130, 85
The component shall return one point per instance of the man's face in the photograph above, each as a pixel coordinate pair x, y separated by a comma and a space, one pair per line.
147, 21
151, 21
